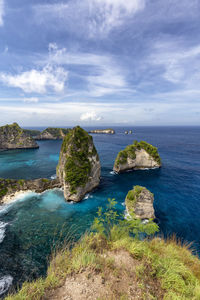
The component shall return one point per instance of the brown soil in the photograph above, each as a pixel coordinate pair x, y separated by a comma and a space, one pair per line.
116, 281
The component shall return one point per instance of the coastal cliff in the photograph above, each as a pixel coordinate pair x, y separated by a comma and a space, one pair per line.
14, 137
51, 133
79, 167
9, 187
103, 131
139, 155
139, 201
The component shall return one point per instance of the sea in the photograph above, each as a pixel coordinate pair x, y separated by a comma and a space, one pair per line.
35, 224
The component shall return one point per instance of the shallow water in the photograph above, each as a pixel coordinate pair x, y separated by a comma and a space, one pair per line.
35, 223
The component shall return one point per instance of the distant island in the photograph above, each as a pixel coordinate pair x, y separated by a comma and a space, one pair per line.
52, 133
14, 137
104, 131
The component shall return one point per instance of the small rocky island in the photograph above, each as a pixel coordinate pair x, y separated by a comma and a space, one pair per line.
103, 131
79, 167
138, 156
14, 137
139, 201
51, 133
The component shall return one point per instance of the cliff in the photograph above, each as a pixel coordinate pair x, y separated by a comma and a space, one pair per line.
118, 266
14, 137
105, 131
137, 156
79, 167
33, 133
139, 202
9, 187
52, 134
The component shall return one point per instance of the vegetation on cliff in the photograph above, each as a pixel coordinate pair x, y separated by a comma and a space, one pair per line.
14, 137
112, 263
130, 151
77, 150
52, 133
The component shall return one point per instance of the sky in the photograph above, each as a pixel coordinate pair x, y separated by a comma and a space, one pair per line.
100, 62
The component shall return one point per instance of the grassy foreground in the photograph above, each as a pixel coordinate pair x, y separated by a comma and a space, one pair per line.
160, 269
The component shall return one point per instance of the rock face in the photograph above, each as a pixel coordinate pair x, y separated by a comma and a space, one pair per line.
52, 134
139, 201
105, 131
137, 156
79, 167
14, 137
10, 186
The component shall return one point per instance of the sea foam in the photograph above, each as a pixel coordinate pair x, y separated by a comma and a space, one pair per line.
5, 283
2, 231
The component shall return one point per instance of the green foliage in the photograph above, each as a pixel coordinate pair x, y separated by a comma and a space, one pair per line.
106, 219
129, 151
106, 223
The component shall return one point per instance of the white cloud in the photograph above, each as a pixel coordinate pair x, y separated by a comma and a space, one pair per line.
90, 116
181, 65
51, 77
106, 76
89, 16
1, 12
31, 100
108, 14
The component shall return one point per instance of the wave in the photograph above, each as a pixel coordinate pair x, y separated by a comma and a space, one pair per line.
113, 173
2, 231
53, 176
5, 283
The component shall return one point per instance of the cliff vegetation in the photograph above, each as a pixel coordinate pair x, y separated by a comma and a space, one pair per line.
111, 262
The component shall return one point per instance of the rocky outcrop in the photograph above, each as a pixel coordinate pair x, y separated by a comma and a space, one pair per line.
139, 202
33, 133
105, 131
137, 156
79, 167
11, 186
14, 137
52, 134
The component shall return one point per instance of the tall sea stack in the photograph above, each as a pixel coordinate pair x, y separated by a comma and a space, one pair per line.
79, 167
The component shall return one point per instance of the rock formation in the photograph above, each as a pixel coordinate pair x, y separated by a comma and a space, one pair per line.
139, 201
14, 137
52, 134
11, 186
79, 167
78, 170
137, 156
105, 131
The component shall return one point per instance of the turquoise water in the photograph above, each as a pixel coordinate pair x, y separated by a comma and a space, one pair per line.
33, 225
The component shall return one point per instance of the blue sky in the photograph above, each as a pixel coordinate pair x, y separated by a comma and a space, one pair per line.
96, 62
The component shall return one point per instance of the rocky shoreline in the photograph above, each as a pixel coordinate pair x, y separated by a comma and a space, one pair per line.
11, 188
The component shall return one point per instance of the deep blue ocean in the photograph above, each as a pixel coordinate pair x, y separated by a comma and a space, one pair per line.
34, 224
